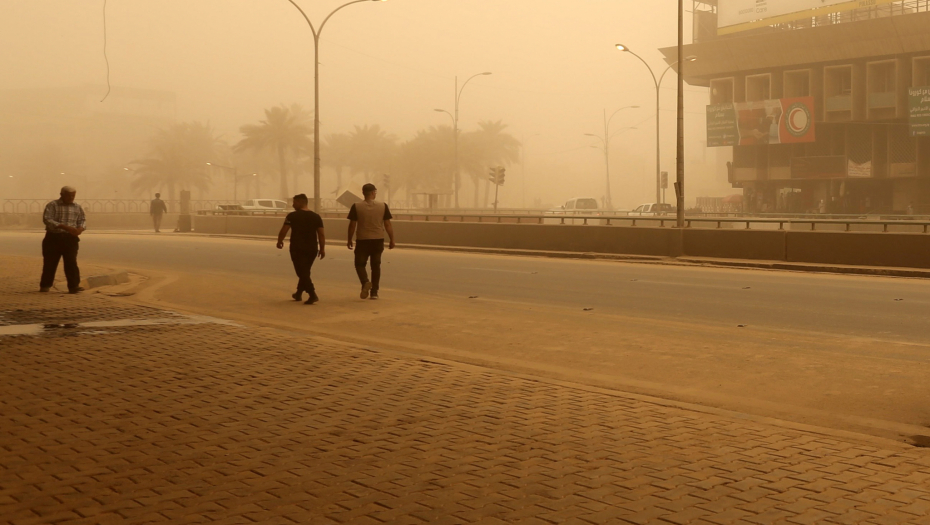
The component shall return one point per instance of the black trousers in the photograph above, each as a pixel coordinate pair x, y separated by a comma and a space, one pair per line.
303, 262
55, 247
369, 249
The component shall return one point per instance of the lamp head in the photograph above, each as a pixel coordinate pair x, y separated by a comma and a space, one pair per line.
691, 58
486, 73
209, 164
622, 47
634, 107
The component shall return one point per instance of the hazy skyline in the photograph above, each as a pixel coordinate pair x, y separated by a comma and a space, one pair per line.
554, 72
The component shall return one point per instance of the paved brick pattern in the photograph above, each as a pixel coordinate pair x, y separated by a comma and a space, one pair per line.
213, 423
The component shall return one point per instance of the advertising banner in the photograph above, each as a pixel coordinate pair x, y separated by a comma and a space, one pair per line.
739, 15
920, 111
779, 121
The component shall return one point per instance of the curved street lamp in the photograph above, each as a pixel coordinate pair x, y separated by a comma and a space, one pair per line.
456, 179
658, 85
316, 93
605, 140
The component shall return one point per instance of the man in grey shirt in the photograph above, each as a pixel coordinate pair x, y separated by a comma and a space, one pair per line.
64, 223
368, 222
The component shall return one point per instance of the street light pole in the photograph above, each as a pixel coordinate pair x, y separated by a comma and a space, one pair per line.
680, 185
606, 142
455, 144
455, 132
316, 93
658, 86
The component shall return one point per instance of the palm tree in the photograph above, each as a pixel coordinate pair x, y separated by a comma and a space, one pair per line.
338, 154
424, 163
372, 150
284, 130
178, 159
486, 147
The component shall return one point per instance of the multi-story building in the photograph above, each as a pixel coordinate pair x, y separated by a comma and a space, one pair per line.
857, 62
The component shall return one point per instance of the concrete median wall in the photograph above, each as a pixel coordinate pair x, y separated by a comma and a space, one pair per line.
909, 250
95, 221
735, 244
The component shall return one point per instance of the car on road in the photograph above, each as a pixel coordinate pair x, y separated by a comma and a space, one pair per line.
652, 209
578, 206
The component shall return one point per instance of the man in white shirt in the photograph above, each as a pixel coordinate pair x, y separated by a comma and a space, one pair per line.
368, 222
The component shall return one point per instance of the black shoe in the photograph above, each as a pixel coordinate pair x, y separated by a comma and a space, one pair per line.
312, 299
374, 295
366, 289
79, 289
298, 296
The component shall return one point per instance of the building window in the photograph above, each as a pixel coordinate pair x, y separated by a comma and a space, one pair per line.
721, 91
921, 72
758, 87
837, 87
798, 83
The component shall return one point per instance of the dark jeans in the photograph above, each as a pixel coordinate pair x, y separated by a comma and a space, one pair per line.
156, 221
57, 246
303, 262
369, 249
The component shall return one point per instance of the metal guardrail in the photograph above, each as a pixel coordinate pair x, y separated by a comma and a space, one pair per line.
896, 224
105, 205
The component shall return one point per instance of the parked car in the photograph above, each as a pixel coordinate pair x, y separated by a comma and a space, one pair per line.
652, 209
578, 206
264, 205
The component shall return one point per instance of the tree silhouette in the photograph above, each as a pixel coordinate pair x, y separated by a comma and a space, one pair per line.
372, 150
285, 131
484, 148
338, 154
178, 159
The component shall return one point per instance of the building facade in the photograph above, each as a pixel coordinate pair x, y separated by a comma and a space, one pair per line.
858, 65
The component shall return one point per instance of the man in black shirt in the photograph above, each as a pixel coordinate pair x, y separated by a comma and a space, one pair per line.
307, 226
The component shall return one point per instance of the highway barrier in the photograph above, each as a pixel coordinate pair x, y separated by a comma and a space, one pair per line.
906, 250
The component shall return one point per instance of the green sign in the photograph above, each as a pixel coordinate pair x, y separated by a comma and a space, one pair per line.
920, 111
722, 126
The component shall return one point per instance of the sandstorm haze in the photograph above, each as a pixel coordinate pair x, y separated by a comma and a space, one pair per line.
554, 66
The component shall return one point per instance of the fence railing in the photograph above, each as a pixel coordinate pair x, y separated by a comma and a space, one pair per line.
892, 224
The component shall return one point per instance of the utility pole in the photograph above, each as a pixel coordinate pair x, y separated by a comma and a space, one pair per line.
680, 184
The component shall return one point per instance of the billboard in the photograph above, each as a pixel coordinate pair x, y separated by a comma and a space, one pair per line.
920, 111
739, 15
779, 121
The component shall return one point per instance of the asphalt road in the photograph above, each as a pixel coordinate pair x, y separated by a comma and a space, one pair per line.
875, 307
848, 352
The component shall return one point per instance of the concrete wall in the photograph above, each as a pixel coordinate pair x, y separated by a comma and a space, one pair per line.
909, 250
735, 244
95, 221
847, 248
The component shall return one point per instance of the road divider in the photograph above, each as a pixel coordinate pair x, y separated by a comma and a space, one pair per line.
873, 249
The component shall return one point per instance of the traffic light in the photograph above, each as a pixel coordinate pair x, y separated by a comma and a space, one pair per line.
664, 180
496, 175
387, 180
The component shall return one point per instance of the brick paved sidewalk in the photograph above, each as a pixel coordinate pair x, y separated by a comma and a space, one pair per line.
215, 423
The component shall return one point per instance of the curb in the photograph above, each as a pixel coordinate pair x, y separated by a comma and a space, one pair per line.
96, 281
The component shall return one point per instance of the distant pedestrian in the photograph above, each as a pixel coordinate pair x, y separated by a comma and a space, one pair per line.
157, 209
368, 222
910, 208
64, 223
306, 227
